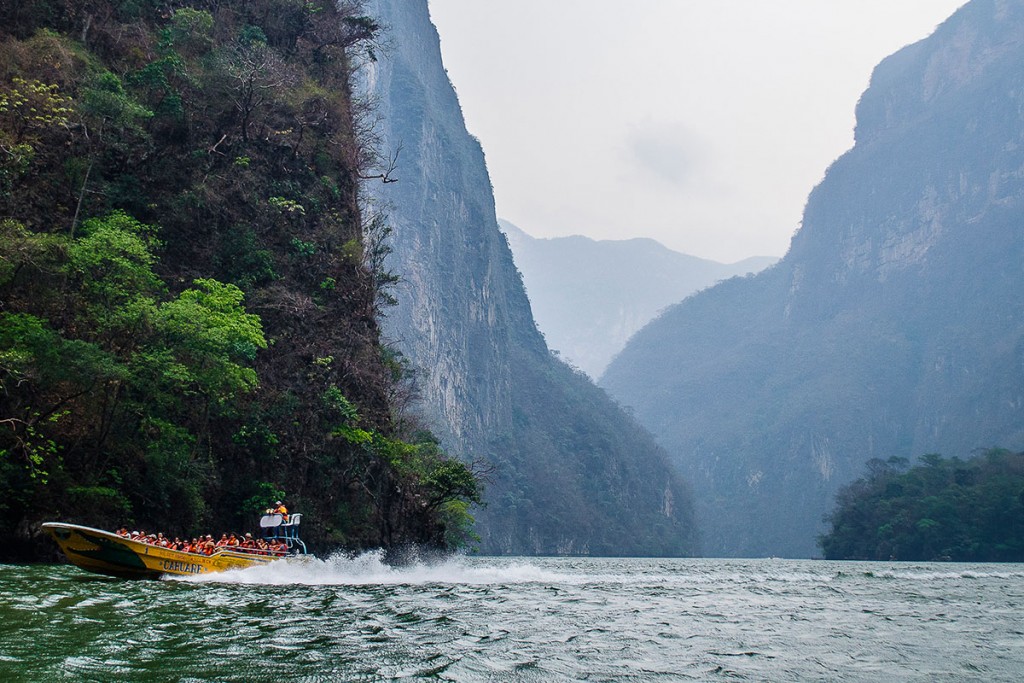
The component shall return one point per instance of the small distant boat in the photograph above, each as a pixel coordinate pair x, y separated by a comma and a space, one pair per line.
107, 553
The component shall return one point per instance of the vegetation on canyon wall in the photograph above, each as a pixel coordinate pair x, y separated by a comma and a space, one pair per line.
188, 291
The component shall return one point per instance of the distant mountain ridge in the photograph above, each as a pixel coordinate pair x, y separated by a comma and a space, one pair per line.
894, 325
590, 296
573, 474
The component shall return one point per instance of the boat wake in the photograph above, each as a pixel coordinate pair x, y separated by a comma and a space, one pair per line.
370, 569
378, 568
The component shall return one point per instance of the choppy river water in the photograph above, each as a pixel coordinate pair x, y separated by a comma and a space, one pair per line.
520, 619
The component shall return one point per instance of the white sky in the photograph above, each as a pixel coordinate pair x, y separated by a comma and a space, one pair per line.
701, 123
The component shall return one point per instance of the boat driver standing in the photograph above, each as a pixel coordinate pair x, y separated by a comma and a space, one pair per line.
280, 509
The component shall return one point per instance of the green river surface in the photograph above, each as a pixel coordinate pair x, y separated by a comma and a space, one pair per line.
520, 619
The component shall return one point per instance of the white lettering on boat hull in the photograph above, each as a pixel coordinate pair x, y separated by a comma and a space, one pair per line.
182, 567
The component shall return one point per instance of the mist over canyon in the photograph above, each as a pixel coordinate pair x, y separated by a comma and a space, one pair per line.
894, 326
590, 296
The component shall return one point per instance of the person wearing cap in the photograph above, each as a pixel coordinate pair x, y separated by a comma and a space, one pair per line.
280, 509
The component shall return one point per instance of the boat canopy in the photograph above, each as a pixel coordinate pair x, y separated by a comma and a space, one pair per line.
283, 528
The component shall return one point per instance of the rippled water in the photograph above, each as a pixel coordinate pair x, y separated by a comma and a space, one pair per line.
518, 619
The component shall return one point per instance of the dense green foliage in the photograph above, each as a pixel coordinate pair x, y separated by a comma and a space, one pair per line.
942, 509
187, 309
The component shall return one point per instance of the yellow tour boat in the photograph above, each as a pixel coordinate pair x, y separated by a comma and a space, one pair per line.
103, 552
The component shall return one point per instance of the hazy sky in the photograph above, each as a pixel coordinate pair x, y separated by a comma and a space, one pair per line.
701, 123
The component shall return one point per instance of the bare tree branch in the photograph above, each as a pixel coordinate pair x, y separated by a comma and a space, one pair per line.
386, 176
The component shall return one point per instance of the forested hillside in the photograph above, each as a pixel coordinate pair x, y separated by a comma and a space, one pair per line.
943, 509
188, 292
893, 327
570, 471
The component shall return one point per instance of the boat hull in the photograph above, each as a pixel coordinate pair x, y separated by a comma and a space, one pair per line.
102, 552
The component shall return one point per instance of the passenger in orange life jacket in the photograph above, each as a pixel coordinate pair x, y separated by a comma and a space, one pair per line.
280, 509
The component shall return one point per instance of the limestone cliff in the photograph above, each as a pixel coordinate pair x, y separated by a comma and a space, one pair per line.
894, 325
573, 474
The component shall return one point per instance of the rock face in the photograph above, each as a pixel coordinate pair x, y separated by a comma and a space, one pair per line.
573, 474
590, 296
894, 325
